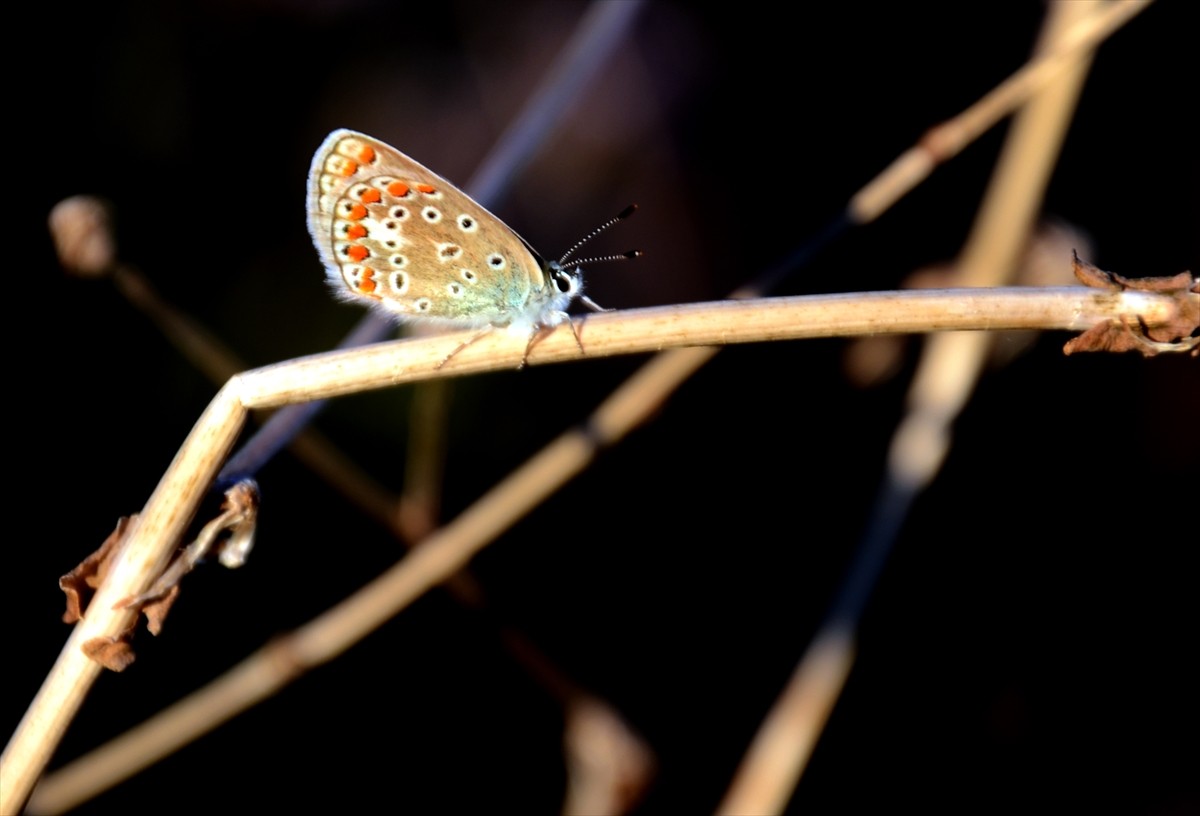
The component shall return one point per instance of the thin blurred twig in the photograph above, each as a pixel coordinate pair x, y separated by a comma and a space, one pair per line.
949, 368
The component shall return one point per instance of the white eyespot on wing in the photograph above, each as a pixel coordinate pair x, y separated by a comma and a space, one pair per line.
468, 223
353, 273
359, 281
398, 282
389, 232
449, 252
431, 214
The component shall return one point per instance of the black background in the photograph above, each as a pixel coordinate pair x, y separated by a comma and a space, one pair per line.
1032, 641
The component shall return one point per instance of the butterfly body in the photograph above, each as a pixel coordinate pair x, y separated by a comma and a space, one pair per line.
396, 235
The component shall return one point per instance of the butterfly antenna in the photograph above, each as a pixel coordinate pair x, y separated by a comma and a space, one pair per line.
621, 216
620, 256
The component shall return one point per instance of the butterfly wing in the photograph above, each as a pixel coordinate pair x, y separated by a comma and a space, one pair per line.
399, 236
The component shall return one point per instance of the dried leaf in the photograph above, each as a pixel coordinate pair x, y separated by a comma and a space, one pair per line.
156, 611
80, 583
113, 653
1111, 335
1091, 275
239, 517
1123, 335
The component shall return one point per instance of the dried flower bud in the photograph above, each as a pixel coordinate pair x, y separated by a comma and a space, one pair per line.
82, 232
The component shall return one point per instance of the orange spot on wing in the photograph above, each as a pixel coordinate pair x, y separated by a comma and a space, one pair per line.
367, 284
357, 212
348, 168
426, 188
367, 154
356, 231
398, 188
371, 196
358, 252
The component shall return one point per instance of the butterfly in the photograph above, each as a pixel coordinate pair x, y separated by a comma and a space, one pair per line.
394, 234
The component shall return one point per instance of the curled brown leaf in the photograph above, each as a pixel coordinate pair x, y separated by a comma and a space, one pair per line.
1177, 335
80, 583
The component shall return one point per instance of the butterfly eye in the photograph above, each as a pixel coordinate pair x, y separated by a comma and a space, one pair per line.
563, 281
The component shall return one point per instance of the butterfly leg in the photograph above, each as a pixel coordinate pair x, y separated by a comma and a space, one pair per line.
476, 336
575, 334
593, 305
534, 336
543, 329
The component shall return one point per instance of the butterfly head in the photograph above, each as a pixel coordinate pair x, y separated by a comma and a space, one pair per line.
565, 284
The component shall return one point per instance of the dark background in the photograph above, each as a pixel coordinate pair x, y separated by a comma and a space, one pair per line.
1032, 641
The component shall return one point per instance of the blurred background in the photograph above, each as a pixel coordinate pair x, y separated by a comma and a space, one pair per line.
1028, 642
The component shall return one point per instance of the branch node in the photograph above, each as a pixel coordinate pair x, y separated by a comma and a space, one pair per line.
1179, 335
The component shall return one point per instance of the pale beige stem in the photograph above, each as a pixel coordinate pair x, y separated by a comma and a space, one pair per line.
632, 331
173, 503
218, 363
